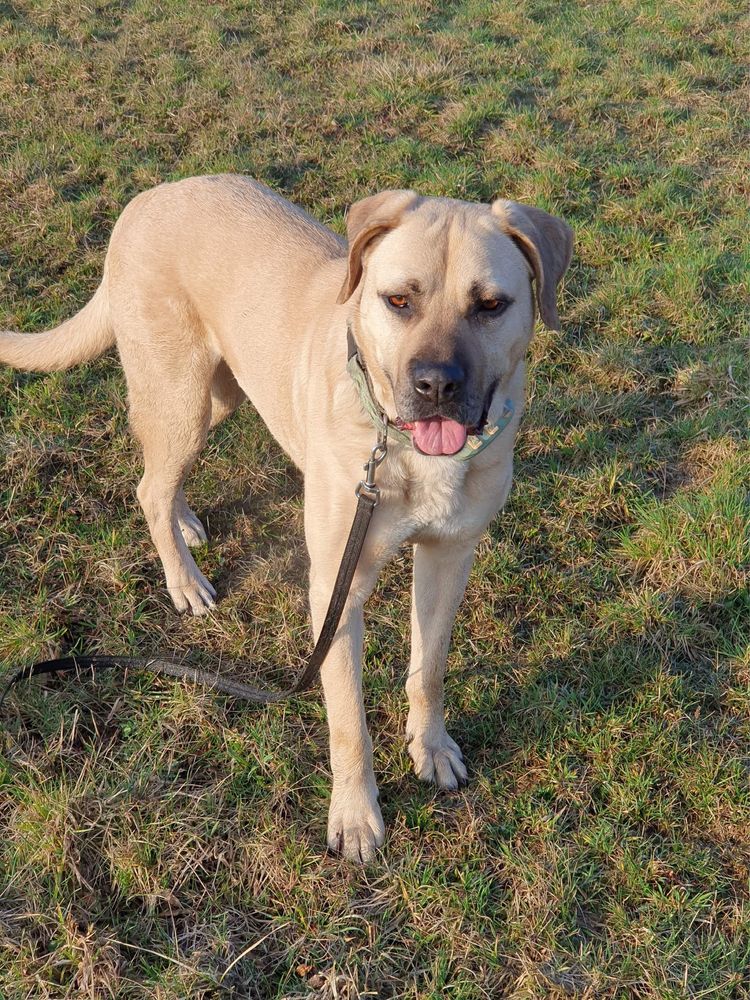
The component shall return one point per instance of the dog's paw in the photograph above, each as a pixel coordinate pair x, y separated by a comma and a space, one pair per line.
196, 596
355, 825
437, 758
192, 530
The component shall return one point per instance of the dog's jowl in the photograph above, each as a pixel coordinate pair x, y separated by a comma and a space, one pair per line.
216, 289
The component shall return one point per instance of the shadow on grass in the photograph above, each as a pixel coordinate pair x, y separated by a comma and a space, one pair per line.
610, 677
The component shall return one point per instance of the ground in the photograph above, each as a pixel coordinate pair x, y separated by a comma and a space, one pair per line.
160, 841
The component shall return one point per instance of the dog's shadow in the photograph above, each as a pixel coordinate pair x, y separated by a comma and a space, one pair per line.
265, 520
511, 718
533, 711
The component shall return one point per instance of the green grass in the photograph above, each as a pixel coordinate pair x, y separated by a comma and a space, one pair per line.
158, 841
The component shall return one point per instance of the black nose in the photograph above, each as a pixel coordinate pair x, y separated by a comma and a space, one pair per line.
440, 383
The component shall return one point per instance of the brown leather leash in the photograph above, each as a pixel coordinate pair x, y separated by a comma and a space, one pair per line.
368, 496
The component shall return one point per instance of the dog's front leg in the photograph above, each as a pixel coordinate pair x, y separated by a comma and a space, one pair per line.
440, 574
355, 825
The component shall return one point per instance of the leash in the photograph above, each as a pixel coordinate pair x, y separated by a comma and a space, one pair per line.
368, 497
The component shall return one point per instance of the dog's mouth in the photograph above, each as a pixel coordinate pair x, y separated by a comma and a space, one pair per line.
438, 435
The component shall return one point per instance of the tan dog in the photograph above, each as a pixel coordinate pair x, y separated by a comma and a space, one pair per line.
215, 289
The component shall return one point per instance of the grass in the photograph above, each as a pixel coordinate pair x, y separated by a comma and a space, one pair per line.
157, 841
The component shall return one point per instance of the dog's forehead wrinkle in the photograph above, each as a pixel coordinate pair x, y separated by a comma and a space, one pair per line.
487, 288
441, 238
397, 282
467, 270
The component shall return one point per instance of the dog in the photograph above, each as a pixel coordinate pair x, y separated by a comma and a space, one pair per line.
216, 289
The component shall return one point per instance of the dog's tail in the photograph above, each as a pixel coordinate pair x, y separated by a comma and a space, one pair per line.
81, 338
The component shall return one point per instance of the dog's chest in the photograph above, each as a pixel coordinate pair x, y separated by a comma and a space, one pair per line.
430, 496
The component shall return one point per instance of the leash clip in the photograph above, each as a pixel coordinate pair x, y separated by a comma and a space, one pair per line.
377, 455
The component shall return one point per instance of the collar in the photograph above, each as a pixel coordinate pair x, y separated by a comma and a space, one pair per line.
361, 378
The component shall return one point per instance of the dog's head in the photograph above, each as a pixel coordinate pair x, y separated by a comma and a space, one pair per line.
442, 304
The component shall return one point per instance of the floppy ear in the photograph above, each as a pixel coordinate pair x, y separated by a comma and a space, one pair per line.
367, 219
547, 244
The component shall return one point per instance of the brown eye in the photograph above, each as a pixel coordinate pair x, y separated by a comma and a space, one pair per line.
398, 301
495, 305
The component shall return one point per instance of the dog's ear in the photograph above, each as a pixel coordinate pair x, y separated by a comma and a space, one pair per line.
367, 219
547, 244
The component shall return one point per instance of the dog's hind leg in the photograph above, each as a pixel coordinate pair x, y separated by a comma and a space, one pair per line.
170, 412
226, 396
169, 452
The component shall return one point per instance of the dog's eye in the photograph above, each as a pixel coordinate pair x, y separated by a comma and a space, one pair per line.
398, 301
493, 305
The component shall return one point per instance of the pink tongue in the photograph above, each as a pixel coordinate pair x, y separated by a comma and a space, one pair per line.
439, 437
